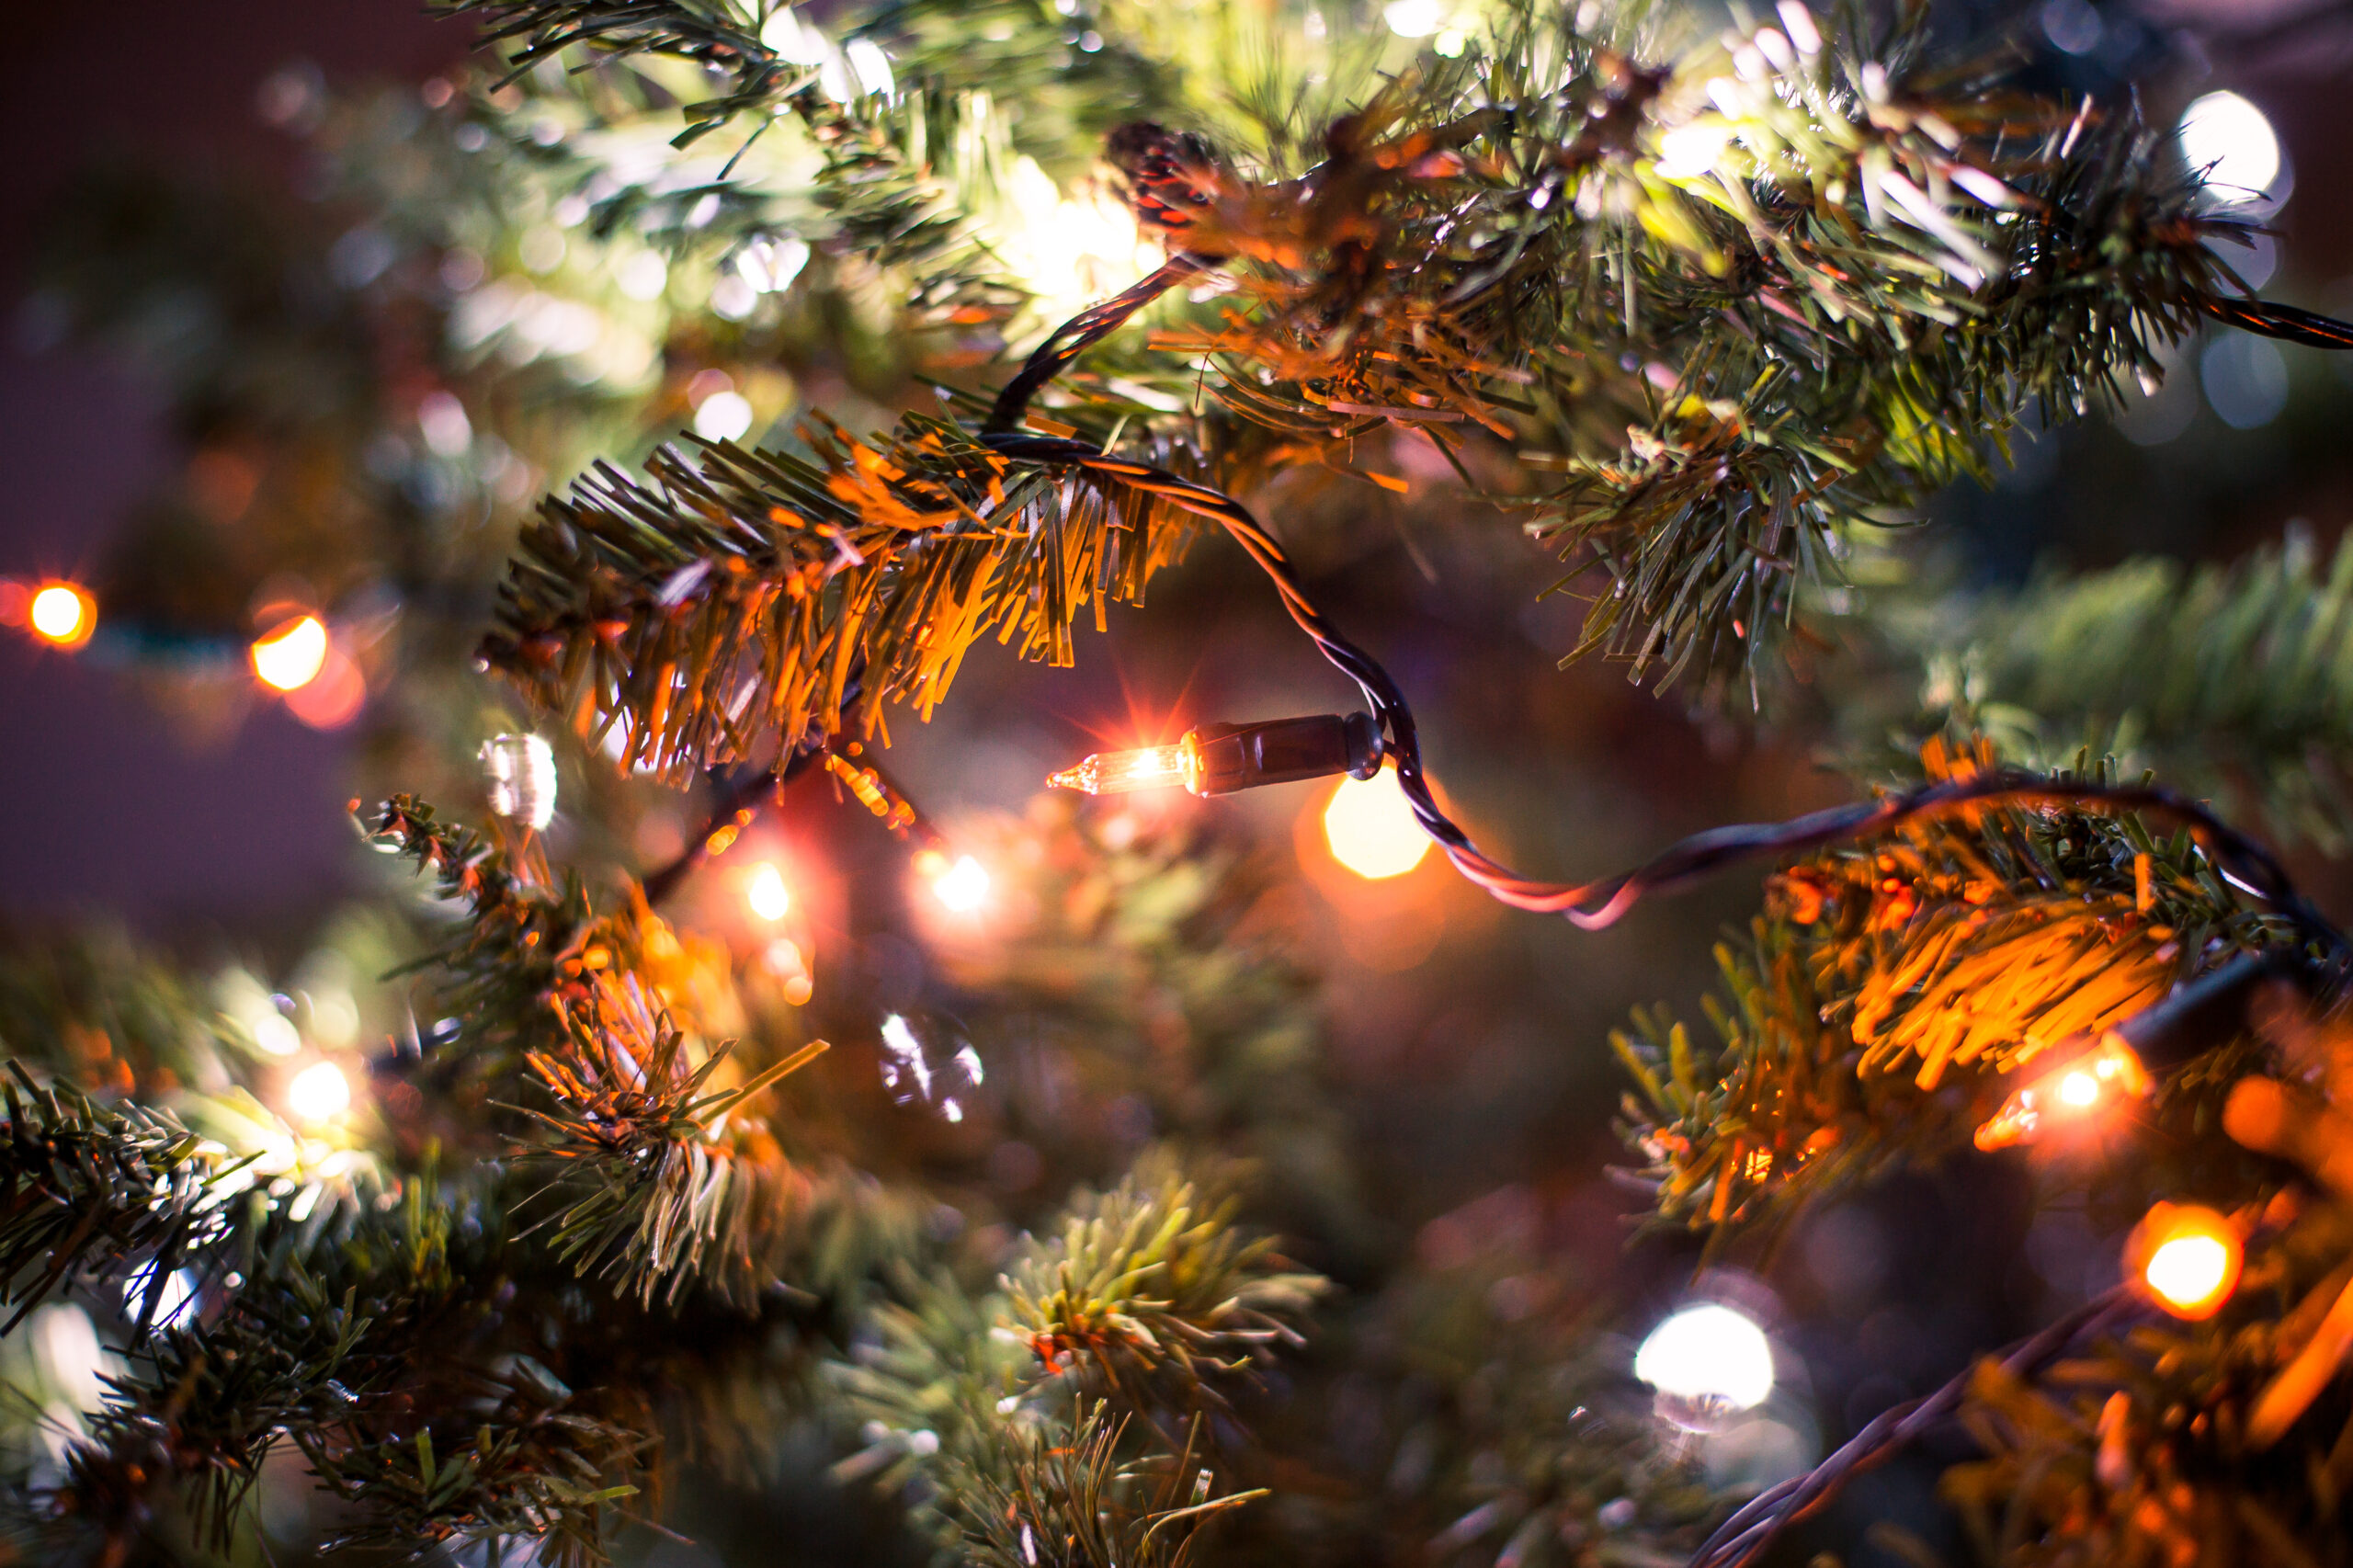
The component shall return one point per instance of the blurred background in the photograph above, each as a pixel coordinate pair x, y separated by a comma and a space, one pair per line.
216, 154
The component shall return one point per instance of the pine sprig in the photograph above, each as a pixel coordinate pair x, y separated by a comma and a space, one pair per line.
2235, 679
1147, 1287
84, 1185
658, 1194
732, 601
1945, 958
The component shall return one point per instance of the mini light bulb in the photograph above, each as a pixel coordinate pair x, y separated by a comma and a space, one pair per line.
766, 893
1218, 759
2069, 1094
2188, 1258
1118, 772
319, 1093
1372, 828
62, 614
1706, 1362
291, 656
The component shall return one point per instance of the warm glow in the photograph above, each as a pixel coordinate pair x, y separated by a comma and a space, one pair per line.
1117, 772
1070, 252
290, 657
1372, 828
2191, 1258
2077, 1092
1706, 1361
766, 893
319, 1093
962, 887
62, 614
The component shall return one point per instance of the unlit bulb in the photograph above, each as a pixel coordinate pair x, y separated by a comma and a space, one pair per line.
767, 895
290, 657
1706, 1362
1372, 828
319, 1093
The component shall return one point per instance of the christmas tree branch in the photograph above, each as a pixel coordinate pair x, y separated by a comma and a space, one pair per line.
84, 1185
2238, 680
1948, 954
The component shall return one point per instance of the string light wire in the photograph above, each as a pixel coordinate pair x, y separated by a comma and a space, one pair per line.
1597, 905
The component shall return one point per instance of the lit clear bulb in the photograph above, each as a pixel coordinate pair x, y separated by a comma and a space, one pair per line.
1118, 772
2068, 1095
1706, 1363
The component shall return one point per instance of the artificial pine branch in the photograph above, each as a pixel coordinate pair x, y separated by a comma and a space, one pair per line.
2235, 679
1060, 1420
730, 605
1946, 956
84, 1185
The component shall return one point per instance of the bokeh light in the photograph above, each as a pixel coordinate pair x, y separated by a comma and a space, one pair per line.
2233, 143
2190, 1258
62, 614
1706, 1361
962, 887
1372, 828
291, 656
318, 1093
766, 893
723, 416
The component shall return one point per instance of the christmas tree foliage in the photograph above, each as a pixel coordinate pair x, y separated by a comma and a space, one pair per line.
1031, 1225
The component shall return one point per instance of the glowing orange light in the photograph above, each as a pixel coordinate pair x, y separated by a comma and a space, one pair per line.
2072, 1092
290, 657
766, 893
1372, 828
2189, 1258
333, 697
62, 614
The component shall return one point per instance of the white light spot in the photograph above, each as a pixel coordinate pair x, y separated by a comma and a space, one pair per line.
276, 1035
722, 416
766, 893
964, 886
1706, 1361
1414, 19
870, 66
2228, 140
644, 275
319, 1093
